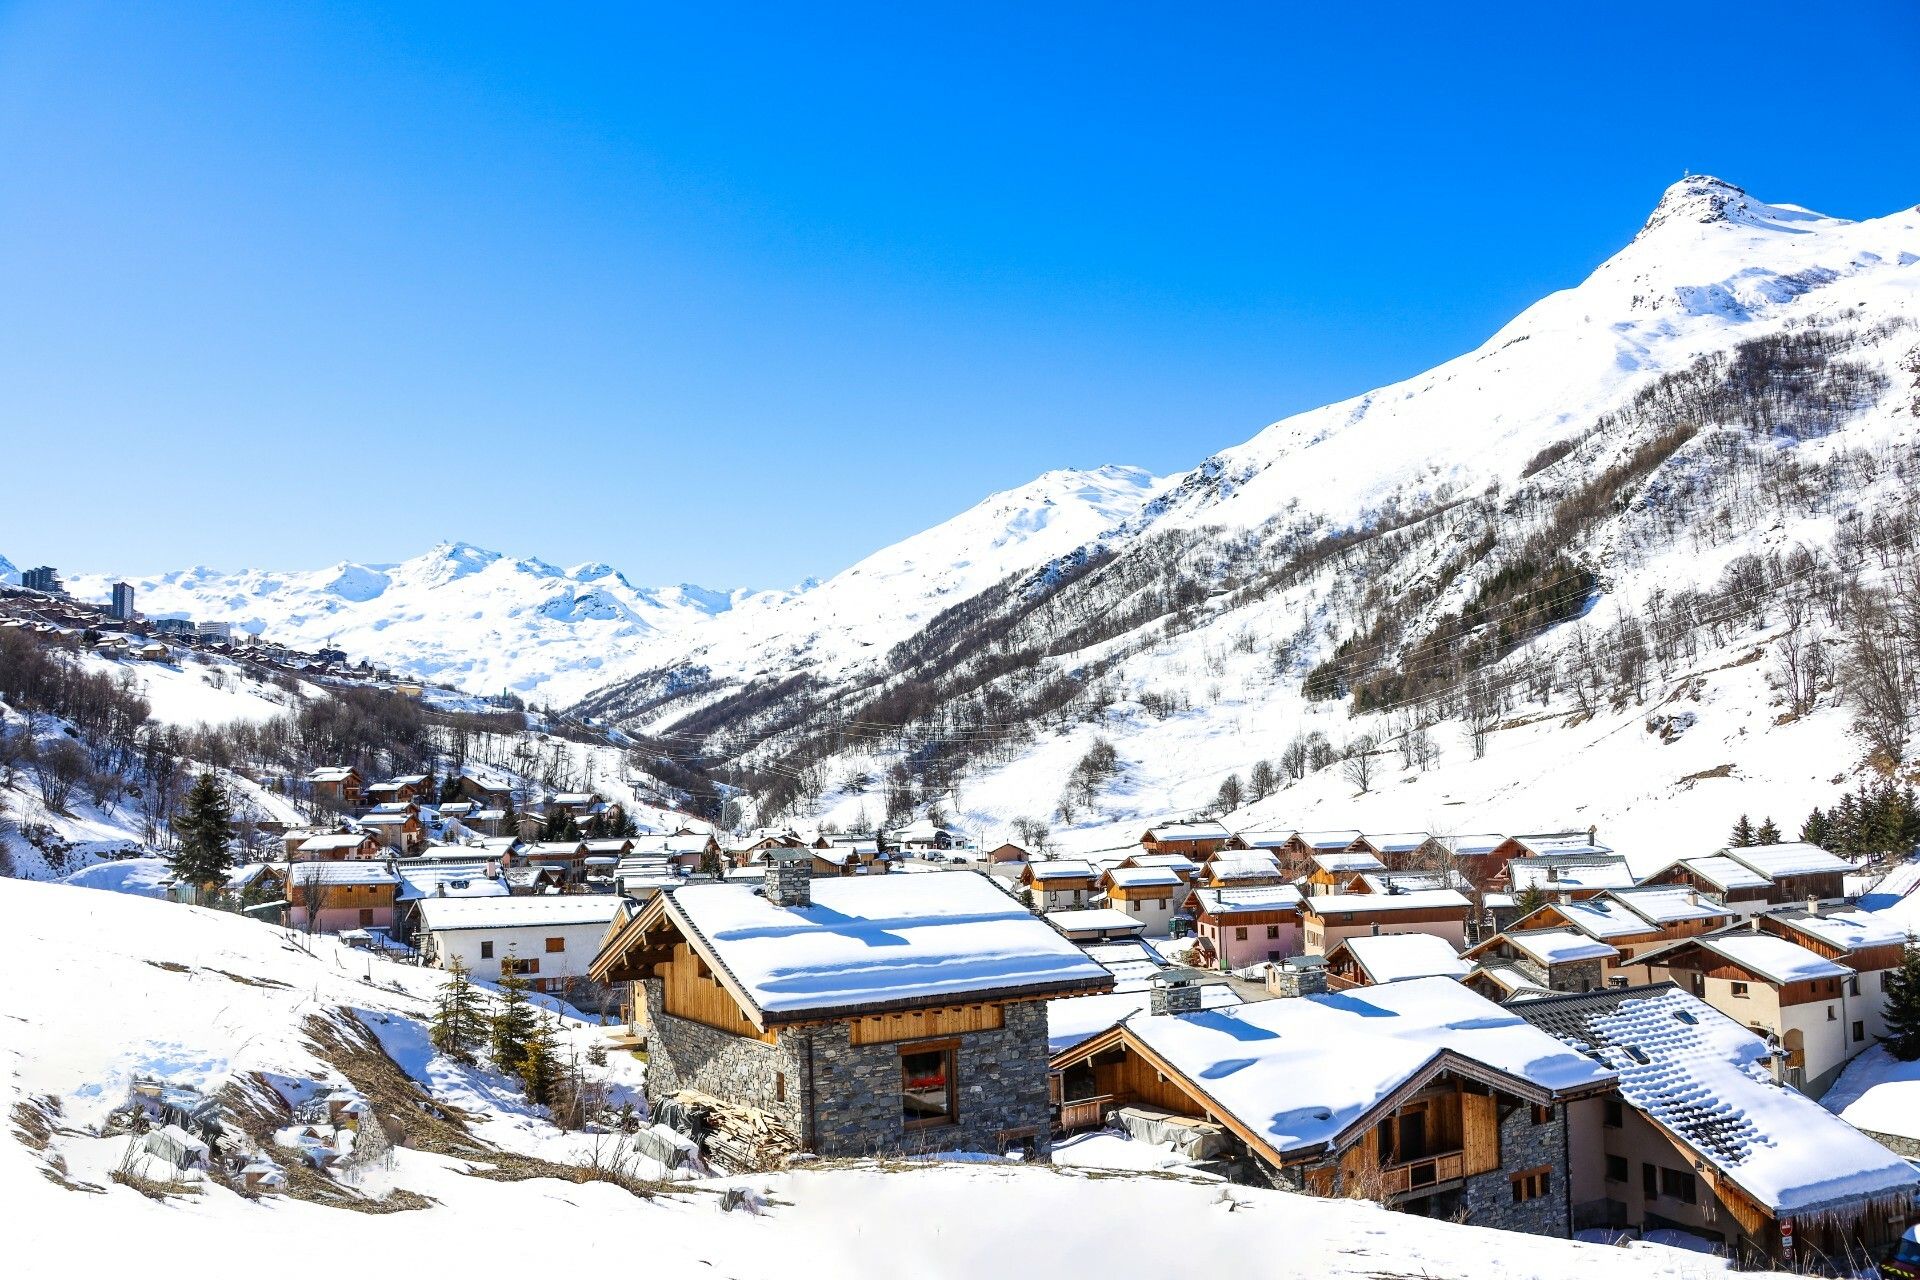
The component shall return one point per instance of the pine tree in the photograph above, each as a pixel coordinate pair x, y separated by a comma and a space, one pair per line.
459, 1028
450, 789
1742, 837
1903, 1006
1766, 833
1815, 829
710, 865
540, 1064
509, 821
560, 826
202, 857
514, 1021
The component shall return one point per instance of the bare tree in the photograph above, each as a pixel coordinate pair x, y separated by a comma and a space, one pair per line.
1357, 763
62, 766
1799, 666
1878, 678
1481, 711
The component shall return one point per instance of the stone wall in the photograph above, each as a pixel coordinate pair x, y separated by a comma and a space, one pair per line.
1579, 975
1488, 1197
1001, 1080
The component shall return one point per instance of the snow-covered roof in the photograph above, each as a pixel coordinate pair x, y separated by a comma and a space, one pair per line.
1772, 957
449, 879
395, 806
1398, 957
1331, 904
1263, 897
242, 876
571, 798
1542, 843
1074, 1018
1200, 830
1339, 862
1172, 861
386, 819
359, 871
880, 941
1703, 1077
444, 915
682, 843
1846, 930
1472, 846
1265, 839
330, 773
1549, 874
333, 840
1724, 873
1664, 904
1794, 859
1300, 1072
1095, 919
1326, 839
1560, 946
1144, 877
1512, 980
1399, 841
1132, 961
1244, 864
1410, 881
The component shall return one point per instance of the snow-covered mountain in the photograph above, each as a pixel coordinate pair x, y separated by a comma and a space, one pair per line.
485, 622
1735, 387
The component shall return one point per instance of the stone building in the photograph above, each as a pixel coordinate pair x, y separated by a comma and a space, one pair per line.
862, 1015
1551, 959
1418, 1094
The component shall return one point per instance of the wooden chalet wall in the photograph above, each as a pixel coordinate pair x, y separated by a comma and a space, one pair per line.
690, 991
922, 1024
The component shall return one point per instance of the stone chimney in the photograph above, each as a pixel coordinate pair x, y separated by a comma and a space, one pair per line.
1290, 980
1174, 991
1813, 904
789, 878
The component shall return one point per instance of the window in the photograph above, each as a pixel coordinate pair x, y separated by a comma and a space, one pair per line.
1240, 934
1740, 990
556, 944
1831, 1015
1273, 932
1542, 1115
1677, 1184
1649, 1181
1853, 985
525, 968
1531, 1185
1616, 1168
366, 917
486, 951
926, 1086
1614, 1114
1859, 1032
779, 1086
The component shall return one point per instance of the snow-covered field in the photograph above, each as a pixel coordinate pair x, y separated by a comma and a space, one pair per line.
108, 985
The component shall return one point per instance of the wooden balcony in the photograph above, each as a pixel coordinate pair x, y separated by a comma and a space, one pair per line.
1411, 1177
1088, 1113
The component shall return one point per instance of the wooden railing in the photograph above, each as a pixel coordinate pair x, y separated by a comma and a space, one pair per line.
1428, 1171
1087, 1113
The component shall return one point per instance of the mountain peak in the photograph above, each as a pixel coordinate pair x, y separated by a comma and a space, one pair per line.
1700, 199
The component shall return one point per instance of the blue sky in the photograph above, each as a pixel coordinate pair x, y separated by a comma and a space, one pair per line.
736, 294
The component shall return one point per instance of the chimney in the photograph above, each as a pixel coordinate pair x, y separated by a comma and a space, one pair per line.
1292, 979
1174, 991
1813, 904
789, 880
1693, 896
1593, 834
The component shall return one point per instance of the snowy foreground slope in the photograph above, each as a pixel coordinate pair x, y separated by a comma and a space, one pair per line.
109, 985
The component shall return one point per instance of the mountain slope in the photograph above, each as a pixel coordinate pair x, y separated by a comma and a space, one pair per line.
1631, 488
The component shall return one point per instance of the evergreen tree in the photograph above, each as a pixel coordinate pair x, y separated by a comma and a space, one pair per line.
710, 865
540, 1064
1766, 833
459, 1028
621, 825
202, 857
1529, 900
1742, 837
596, 827
450, 789
1903, 1006
510, 821
560, 826
514, 1021
1815, 829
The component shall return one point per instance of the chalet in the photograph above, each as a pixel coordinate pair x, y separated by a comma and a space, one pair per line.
1700, 1138
1008, 854
1060, 884
1200, 838
567, 858
261, 880
1545, 844
1150, 894
747, 851
860, 858
1329, 870
1575, 875
767, 998
1406, 882
1731, 884
1096, 924
401, 832
1371, 959
411, 786
1330, 919
456, 809
339, 785
1477, 857
1796, 871
1630, 921
1816, 1009
1245, 926
1302, 845
1263, 841
924, 836
482, 794
1241, 869
488, 822
334, 846
1178, 863
548, 940
1563, 959
576, 804
1404, 849
1419, 1094
391, 807
332, 897
684, 850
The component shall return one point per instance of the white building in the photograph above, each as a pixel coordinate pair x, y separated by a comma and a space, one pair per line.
549, 938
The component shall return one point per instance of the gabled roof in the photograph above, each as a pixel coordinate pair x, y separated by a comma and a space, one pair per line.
1398, 957
1724, 873
362, 871
1601, 917
1332, 904
1795, 859
1265, 839
1172, 861
1143, 877
1550, 873
1243, 864
1326, 839
1248, 898
334, 840
1205, 829
1703, 1078
1554, 946
1101, 919
541, 911
1407, 881
1772, 957
1339, 862
1303, 1075
1843, 930
1542, 843
1399, 841
333, 773
1665, 904
865, 945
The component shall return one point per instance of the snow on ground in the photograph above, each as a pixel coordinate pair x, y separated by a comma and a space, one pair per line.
141, 876
110, 985
188, 692
1879, 1093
